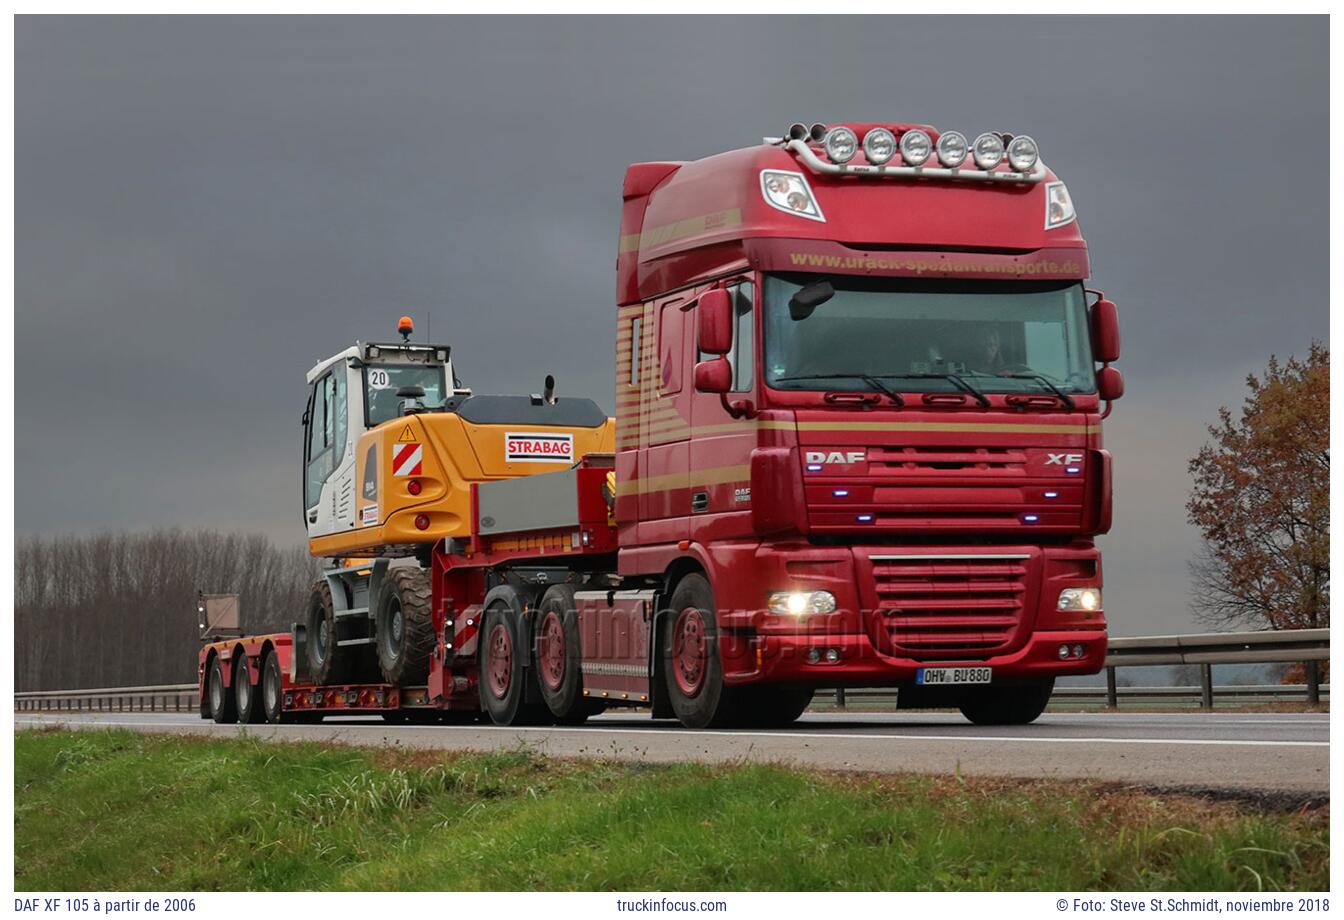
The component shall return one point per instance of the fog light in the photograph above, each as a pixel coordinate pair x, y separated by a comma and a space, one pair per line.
813, 655
801, 603
879, 145
1022, 153
1063, 652
832, 655
952, 149
915, 147
988, 150
1079, 599
841, 144
1077, 651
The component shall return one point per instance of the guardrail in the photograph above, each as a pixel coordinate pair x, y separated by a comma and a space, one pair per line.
1307, 646
163, 698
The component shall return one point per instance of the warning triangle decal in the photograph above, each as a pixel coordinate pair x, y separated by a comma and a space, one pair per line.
406, 436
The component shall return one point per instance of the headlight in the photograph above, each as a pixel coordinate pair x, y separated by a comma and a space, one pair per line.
841, 144
915, 147
988, 150
1058, 206
1079, 599
789, 191
952, 149
1022, 153
879, 145
801, 603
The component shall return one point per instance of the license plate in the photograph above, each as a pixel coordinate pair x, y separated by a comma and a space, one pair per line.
932, 676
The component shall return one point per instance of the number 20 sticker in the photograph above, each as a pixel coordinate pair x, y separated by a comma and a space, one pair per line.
379, 379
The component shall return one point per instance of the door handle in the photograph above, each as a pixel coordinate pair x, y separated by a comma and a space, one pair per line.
699, 502
312, 517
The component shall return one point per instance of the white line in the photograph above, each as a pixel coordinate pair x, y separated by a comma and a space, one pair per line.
815, 736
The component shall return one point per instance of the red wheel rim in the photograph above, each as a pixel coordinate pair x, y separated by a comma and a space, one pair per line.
551, 650
689, 652
499, 661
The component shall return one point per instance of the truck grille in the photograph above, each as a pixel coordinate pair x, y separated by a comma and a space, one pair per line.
949, 606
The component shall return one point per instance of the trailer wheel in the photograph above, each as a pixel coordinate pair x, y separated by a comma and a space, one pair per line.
692, 670
272, 688
559, 668
404, 630
223, 707
245, 696
503, 677
328, 663
774, 706
1020, 705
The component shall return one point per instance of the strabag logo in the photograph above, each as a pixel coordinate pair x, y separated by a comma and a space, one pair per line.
539, 447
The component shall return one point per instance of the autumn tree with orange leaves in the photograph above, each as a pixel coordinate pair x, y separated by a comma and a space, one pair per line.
1261, 500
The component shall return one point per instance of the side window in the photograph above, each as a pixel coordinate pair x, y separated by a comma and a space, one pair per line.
636, 349
743, 354
339, 415
319, 441
370, 487
671, 321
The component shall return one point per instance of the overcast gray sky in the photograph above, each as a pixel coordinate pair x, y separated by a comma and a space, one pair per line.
207, 206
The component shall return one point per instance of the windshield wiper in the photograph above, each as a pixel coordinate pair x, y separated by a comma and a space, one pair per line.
872, 382
1045, 382
954, 379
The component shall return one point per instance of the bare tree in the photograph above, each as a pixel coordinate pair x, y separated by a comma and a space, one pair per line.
1261, 500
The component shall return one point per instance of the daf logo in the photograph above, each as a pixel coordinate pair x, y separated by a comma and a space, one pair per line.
1063, 459
835, 456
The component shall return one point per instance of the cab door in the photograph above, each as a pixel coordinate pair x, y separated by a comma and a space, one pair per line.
720, 455
329, 462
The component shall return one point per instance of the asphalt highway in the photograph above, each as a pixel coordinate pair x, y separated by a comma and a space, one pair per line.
1257, 753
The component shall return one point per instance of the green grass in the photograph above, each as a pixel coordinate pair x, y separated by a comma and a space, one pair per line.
121, 811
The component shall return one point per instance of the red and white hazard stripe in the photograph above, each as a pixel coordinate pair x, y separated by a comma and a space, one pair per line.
406, 459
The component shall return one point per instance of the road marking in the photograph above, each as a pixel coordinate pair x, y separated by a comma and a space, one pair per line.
819, 736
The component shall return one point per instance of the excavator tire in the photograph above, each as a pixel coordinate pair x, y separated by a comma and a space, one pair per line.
328, 663
403, 627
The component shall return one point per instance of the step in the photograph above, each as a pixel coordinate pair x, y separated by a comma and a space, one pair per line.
365, 640
352, 612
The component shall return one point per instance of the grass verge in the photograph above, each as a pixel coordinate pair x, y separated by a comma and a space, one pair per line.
122, 811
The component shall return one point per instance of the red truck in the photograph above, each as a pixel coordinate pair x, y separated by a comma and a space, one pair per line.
859, 391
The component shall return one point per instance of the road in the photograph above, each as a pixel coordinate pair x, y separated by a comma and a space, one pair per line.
1232, 752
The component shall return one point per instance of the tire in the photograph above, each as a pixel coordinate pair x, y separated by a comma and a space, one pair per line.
246, 698
271, 689
692, 670
223, 707
559, 657
328, 663
1020, 705
773, 706
403, 628
503, 679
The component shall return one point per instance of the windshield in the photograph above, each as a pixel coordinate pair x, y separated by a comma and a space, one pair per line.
922, 335
381, 385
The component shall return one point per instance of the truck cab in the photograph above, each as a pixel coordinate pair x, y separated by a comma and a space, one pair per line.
860, 386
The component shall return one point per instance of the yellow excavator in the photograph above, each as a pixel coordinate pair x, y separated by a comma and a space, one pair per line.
392, 444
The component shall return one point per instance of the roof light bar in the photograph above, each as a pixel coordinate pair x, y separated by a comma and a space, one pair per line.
816, 164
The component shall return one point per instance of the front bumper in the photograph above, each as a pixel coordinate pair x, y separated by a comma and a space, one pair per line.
901, 609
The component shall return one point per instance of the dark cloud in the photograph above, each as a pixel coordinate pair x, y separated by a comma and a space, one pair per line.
207, 206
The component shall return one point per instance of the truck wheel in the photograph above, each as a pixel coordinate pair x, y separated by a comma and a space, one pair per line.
404, 630
502, 675
773, 707
692, 670
245, 697
272, 688
559, 668
223, 707
1008, 705
327, 662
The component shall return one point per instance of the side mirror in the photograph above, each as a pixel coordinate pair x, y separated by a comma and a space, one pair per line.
1105, 323
714, 376
715, 317
1110, 384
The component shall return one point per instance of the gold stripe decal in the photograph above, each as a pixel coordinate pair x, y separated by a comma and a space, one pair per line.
710, 477
670, 233
999, 427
